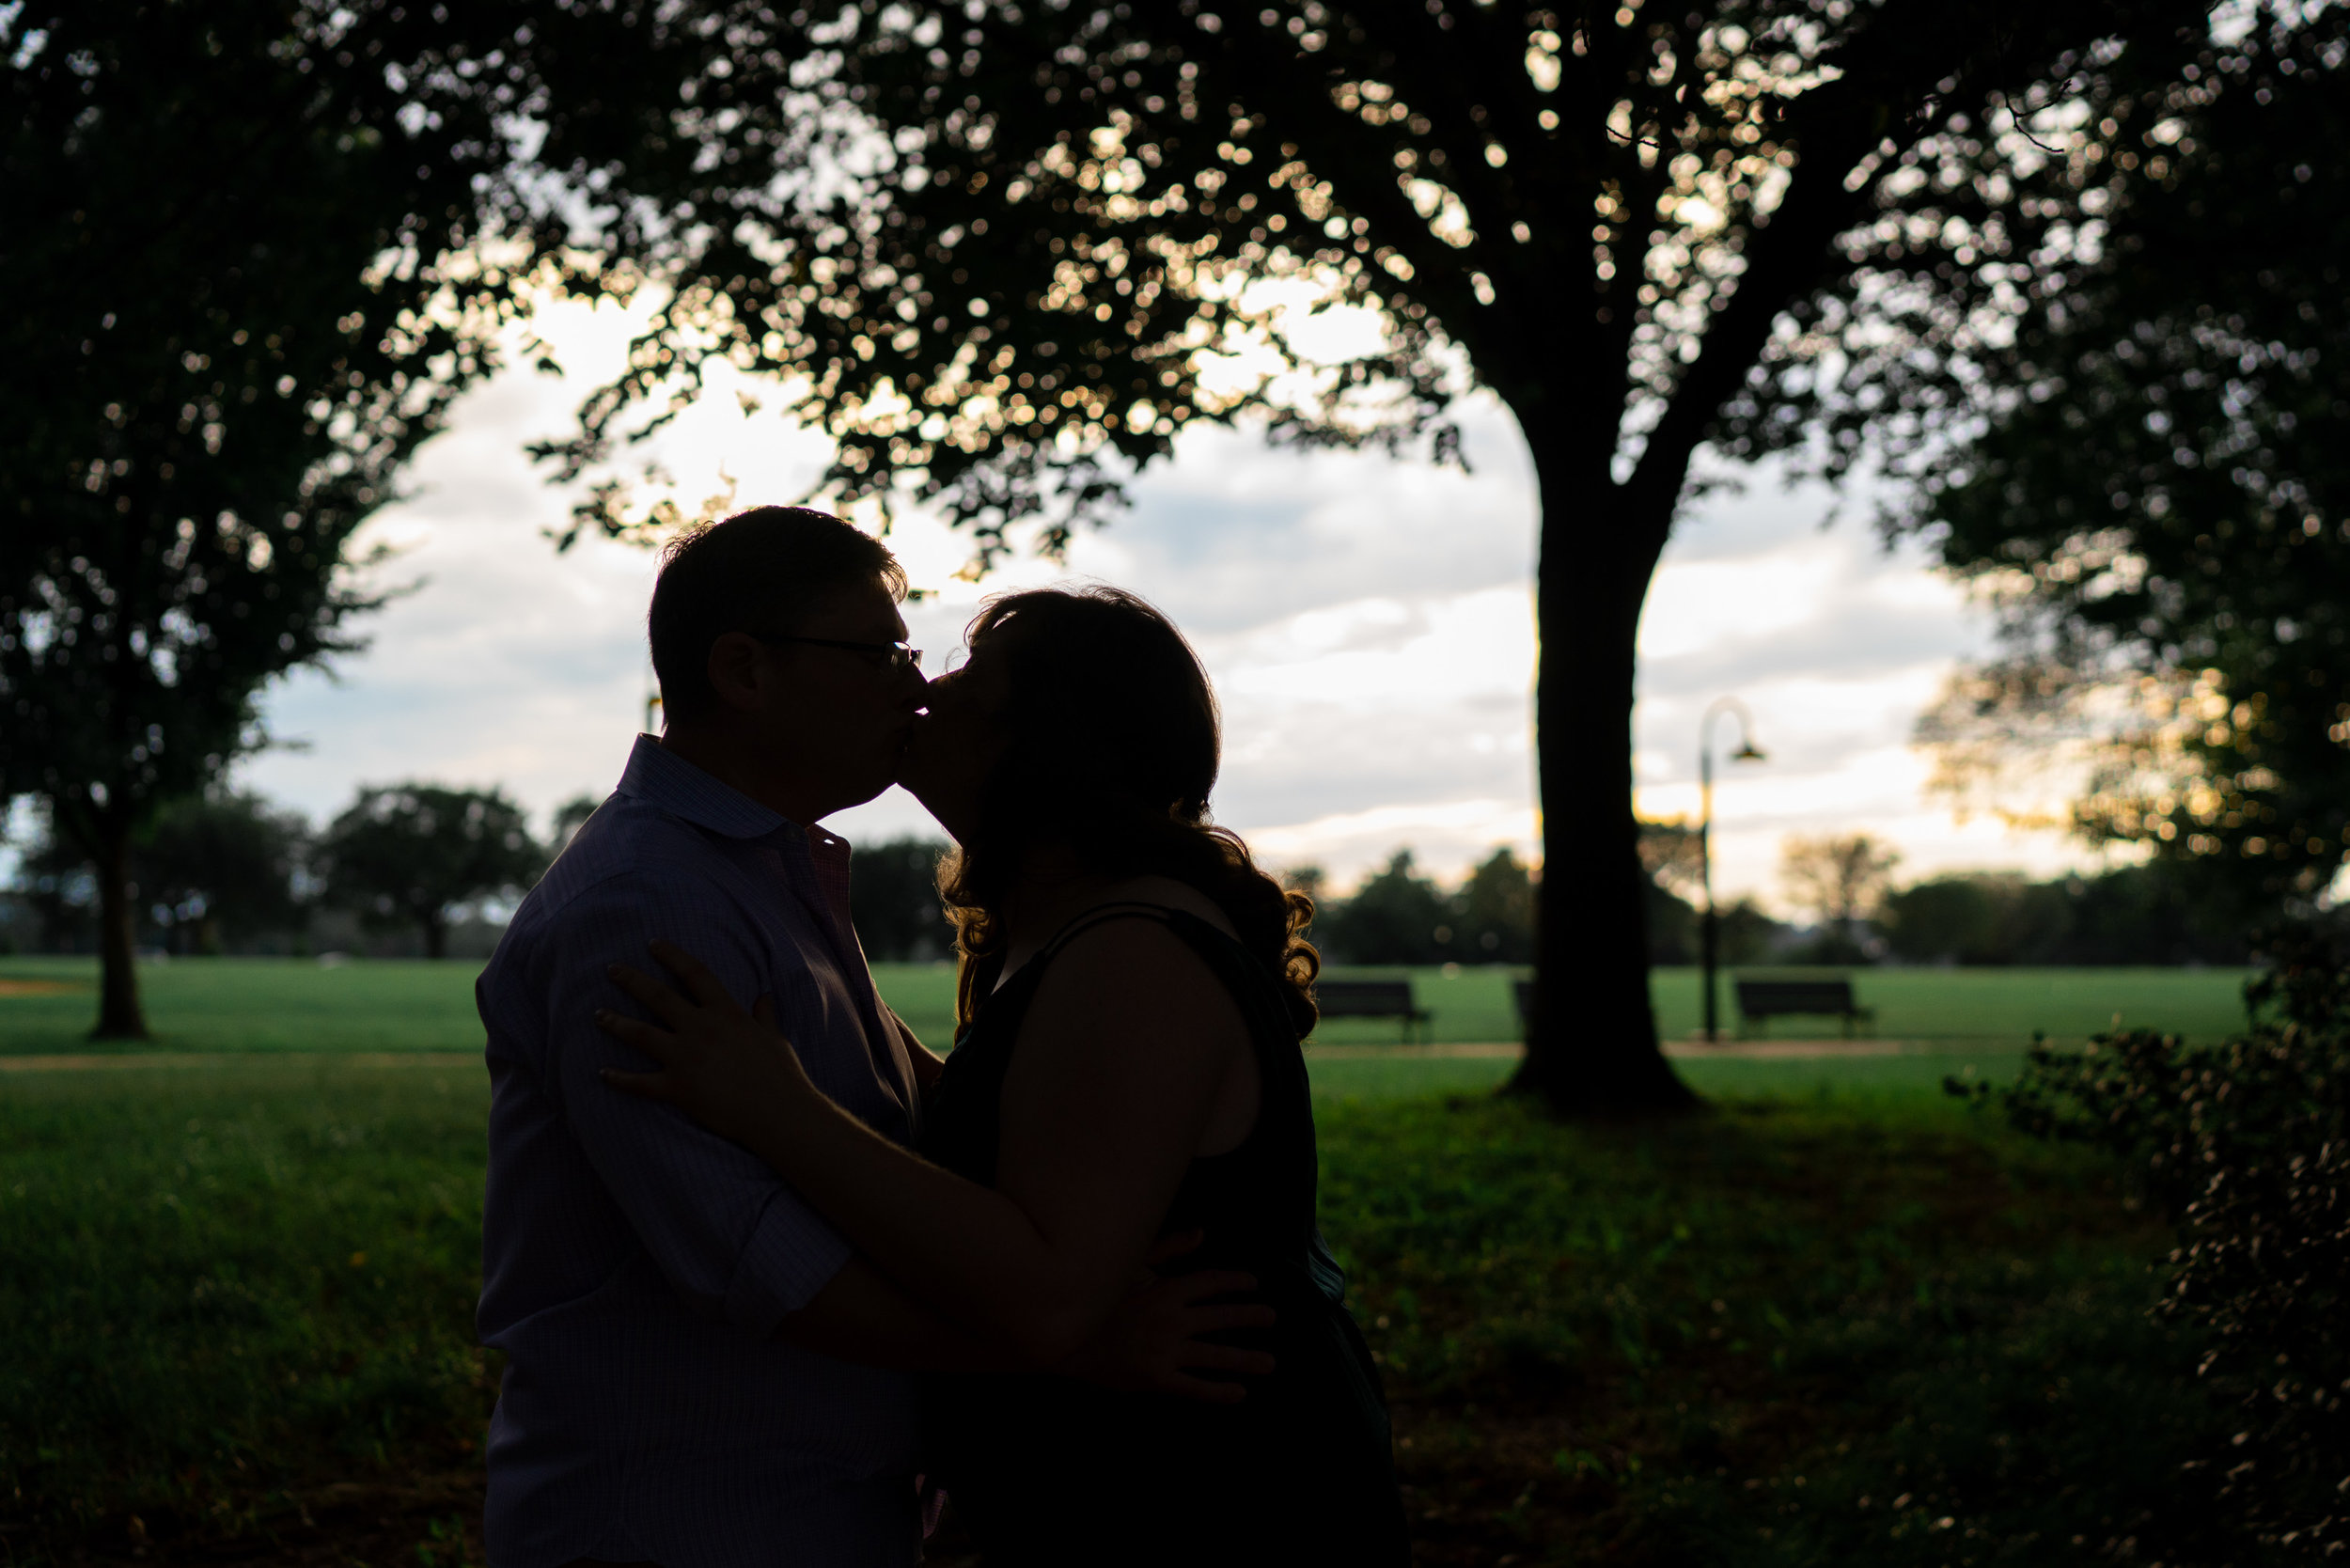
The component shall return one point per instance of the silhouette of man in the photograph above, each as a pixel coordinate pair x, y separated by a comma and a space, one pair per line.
697, 1370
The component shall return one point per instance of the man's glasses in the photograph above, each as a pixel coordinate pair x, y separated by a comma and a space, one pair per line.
896, 656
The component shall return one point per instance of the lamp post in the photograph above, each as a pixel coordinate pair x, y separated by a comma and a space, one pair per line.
1709, 929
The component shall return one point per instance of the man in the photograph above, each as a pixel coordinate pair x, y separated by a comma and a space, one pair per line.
698, 1371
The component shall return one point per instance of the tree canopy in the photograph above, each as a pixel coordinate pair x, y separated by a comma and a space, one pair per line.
2159, 492
253, 251
412, 853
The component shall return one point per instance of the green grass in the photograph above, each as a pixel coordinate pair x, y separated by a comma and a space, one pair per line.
253, 1004
220, 1286
1805, 1328
1871, 1330
296, 1005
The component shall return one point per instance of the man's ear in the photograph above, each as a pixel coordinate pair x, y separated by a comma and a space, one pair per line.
738, 670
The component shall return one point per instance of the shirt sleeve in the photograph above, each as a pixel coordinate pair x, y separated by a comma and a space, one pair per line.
732, 1238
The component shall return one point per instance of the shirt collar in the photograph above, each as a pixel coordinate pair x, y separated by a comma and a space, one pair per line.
662, 778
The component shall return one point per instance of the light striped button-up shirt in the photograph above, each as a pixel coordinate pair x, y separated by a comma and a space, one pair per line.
634, 1265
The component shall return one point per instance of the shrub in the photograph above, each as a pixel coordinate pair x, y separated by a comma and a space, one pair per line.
2245, 1145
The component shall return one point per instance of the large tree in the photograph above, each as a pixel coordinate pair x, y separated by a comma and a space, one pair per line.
415, 855
242, 284
1003, 254
2158, 481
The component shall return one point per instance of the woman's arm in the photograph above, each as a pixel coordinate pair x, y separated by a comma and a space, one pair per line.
1125, 1048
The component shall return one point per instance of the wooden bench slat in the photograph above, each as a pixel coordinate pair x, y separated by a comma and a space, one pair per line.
1370, 999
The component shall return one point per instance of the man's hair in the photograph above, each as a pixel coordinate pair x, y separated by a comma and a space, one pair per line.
760, 571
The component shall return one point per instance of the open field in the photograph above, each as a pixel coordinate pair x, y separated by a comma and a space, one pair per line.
1858, 1327
297, 1005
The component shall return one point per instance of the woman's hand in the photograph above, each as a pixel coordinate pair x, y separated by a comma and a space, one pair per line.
729, 1070
1156, 1338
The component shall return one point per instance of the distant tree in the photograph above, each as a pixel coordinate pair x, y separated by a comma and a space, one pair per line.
1979, 917
2158, 486
1396, 917
1672, 926
1494, 911
1840, 879
1309, 880
893, 898
1746, 932
54, 881
413, 854
1948, 919
1002, 254
238, 298
1669, 853
2167, 912
219, 869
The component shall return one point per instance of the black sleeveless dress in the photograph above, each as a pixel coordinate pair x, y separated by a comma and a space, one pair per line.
1047, 1470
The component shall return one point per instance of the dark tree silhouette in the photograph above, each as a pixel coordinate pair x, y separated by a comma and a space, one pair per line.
1494, 911
992, 251
226, 332
218, 869
894, 902
2162, 478
1396, 915
411, 854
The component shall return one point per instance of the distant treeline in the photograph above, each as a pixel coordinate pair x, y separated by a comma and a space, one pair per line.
2165, 912
410, 869
2157, 913
422, 869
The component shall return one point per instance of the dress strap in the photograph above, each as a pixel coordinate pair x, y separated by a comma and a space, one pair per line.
1102, 913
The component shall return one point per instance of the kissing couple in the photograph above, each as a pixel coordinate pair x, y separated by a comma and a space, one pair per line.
768, 1275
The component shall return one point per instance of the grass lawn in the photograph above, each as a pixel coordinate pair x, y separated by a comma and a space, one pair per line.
296, 1005
1844, 1322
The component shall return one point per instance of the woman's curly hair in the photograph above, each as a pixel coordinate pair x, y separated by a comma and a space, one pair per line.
1112, 746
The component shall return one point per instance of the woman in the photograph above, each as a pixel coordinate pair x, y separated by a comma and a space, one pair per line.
1133, 992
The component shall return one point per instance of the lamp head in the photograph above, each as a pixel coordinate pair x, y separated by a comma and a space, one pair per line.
1749, 752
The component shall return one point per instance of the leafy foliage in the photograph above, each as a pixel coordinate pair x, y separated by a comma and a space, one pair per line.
2156, 489
893, 898
233, 316
2163, 913
1841, 878
997, 252
1400, 916
1396, 917
411, 854
222, 867
209, 872
2246, 1146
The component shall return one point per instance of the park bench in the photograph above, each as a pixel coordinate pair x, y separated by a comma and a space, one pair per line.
1760, 1000
1371, 1000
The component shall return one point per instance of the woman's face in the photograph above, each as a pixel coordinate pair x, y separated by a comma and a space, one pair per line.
957, 741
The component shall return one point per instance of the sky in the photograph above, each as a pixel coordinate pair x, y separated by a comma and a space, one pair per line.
1367, 622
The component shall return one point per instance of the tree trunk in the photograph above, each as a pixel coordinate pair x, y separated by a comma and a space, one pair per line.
119, 1017
1592, 1047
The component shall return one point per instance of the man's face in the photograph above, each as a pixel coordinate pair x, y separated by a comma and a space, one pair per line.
835, 718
